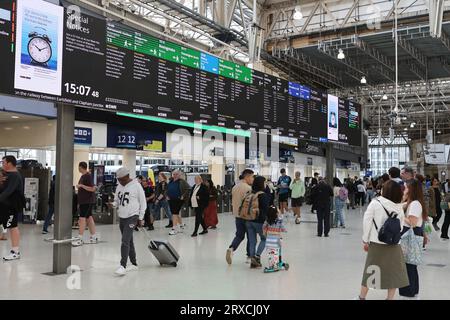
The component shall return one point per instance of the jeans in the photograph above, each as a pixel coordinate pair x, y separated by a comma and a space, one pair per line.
165, 205
444, 229
413, 275
199, 219
254, 228
127, 249
149, 212
351, 198
323, 219
369, 195
48, 217
241, 231
339, 214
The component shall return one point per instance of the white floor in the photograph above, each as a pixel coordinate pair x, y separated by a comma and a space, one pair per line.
321, 268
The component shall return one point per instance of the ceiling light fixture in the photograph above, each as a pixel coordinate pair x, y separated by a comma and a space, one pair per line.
385, 97
297, 13
363, 80
341, 55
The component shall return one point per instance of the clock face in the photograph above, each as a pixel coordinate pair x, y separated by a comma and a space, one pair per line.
39, 50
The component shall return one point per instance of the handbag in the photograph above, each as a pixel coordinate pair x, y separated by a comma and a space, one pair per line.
412, 247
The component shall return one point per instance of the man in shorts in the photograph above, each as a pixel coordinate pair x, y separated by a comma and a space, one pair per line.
86, 201
12, 201
283, 190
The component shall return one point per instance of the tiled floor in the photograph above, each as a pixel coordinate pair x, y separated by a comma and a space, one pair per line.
321, 268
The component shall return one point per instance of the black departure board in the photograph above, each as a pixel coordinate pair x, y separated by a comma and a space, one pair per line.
95, 63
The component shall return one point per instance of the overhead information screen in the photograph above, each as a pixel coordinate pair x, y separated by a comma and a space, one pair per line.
52, 54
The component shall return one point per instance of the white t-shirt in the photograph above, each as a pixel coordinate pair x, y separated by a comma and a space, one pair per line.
194, 196
361, 188
130, 200
415, 209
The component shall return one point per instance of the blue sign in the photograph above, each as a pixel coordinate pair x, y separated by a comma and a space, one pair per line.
323, 139
369, 173
83, 136
209, 63
294, 89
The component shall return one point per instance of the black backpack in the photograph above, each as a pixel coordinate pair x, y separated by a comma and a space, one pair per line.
390, 232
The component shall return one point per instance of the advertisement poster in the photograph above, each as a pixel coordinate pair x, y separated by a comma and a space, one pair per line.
39, 44
333, 113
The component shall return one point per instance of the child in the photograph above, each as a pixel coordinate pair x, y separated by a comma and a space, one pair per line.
272, 229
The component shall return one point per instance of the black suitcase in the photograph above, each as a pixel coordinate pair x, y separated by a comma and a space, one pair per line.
163, 252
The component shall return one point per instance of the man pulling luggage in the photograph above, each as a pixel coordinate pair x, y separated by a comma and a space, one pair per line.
131, 204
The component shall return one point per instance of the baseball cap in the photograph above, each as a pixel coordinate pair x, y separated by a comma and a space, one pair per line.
122, 172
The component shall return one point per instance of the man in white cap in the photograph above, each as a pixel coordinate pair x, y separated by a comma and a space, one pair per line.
131, 204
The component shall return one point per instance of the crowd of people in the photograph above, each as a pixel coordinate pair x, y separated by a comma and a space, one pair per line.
401, 204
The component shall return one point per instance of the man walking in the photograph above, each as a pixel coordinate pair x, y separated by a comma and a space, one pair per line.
284, 181
51, 206
322, 195
238, 193
178, 195
131, 204
86, 201
12, 201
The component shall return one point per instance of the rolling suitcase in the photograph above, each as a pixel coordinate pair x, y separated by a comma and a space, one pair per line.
163, 252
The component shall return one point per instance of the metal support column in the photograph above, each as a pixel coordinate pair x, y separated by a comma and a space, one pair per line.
331, 163
62, 252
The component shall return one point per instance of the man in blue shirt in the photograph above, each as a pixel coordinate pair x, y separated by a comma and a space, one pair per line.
177, 193
283, 190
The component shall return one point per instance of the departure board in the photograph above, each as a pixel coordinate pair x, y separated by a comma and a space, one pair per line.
95, 63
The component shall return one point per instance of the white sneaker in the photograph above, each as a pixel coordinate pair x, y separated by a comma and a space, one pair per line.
173, 232
132, 267
77, 243
297, 221
12, 256
93, 240
121, 271
248, 260
229, 256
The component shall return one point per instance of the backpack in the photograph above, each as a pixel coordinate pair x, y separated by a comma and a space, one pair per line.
249, 209
390, 232
343, 193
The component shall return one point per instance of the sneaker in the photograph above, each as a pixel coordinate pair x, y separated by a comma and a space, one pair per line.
436, 227
170, 225
93, 240
229, 256
444, 238
343, 227
151, 228
121, 271
255, 263
248, 260
12, 256
359, 298
77, 243
44, 232
173, 232
297, 221
182, 226
204, 232
132, 267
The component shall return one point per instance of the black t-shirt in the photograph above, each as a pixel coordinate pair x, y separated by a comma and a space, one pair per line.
86, 197
12, 193
149, 191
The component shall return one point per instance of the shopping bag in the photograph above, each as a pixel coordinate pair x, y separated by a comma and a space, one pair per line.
412, 247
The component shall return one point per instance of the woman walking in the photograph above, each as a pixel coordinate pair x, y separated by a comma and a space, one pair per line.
161, 198
340, 198
416, 214
198, 200
211, 218
255, 227
385, 265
